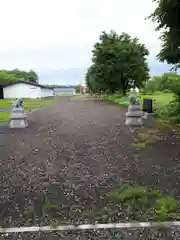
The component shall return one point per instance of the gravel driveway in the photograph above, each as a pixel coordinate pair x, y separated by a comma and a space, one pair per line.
61, 166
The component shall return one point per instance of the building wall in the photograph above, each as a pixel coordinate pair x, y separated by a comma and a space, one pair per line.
65, 91
134, 89
46, 92
22, 90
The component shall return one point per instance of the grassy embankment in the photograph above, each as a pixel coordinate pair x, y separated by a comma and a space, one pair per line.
29, 105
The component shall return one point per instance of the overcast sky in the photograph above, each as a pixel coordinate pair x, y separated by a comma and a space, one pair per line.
55, 37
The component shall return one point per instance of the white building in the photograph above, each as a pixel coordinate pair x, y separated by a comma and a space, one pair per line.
22, 89
134, 90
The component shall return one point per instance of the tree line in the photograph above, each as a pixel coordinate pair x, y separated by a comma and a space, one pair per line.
168, 82
11, 76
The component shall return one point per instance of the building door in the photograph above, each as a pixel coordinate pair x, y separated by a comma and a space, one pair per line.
1, 92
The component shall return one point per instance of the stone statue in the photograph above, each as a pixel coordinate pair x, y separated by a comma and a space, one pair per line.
18, 117
134, 100
18, 103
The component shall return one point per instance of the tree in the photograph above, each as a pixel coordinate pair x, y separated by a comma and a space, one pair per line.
167, 16
32, 76
94, 84
6, 77
118, 62
9, 76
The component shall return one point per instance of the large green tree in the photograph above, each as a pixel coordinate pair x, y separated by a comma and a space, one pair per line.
32, 76
118, 62
167, 16
7, 77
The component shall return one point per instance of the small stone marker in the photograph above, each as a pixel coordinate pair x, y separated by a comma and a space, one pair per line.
148, 109
147, 105
134, 114
18, 117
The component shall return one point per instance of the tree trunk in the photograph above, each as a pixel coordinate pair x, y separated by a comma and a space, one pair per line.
124, 86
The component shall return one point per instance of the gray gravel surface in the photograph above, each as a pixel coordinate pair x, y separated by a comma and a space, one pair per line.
61, 166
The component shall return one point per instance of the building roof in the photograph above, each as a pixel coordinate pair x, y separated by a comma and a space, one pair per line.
29, 83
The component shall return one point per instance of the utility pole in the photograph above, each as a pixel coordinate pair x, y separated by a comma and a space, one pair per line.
81, 87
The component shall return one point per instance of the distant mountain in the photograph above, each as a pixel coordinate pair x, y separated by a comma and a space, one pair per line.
69, 76
158, 68
75, 76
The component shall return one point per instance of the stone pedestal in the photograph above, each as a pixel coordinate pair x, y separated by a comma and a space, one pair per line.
18, 118
133, 108
149, 117
134, 116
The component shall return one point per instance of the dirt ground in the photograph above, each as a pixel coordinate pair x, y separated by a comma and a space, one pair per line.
72, 154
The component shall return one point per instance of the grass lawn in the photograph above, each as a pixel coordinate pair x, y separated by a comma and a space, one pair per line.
159, 99
118, 99
29, 105
6, 103
4, 117
160, 102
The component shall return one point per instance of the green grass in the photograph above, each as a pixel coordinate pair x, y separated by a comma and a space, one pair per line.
132, 193
139, 145
6, 103
4, 117
143, 204
162, 106
118, 99
146, 137
159, 99
28, 104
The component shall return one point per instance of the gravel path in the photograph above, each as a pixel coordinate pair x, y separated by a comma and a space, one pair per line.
61, 166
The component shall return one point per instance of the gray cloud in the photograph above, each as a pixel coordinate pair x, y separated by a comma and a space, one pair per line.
55, 38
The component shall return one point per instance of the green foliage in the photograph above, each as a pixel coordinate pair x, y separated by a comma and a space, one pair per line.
167, 209
166, 204
143, 204
132, 193
119, 61
166, 82
7, 76
166, 15
32, 76
118, 99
